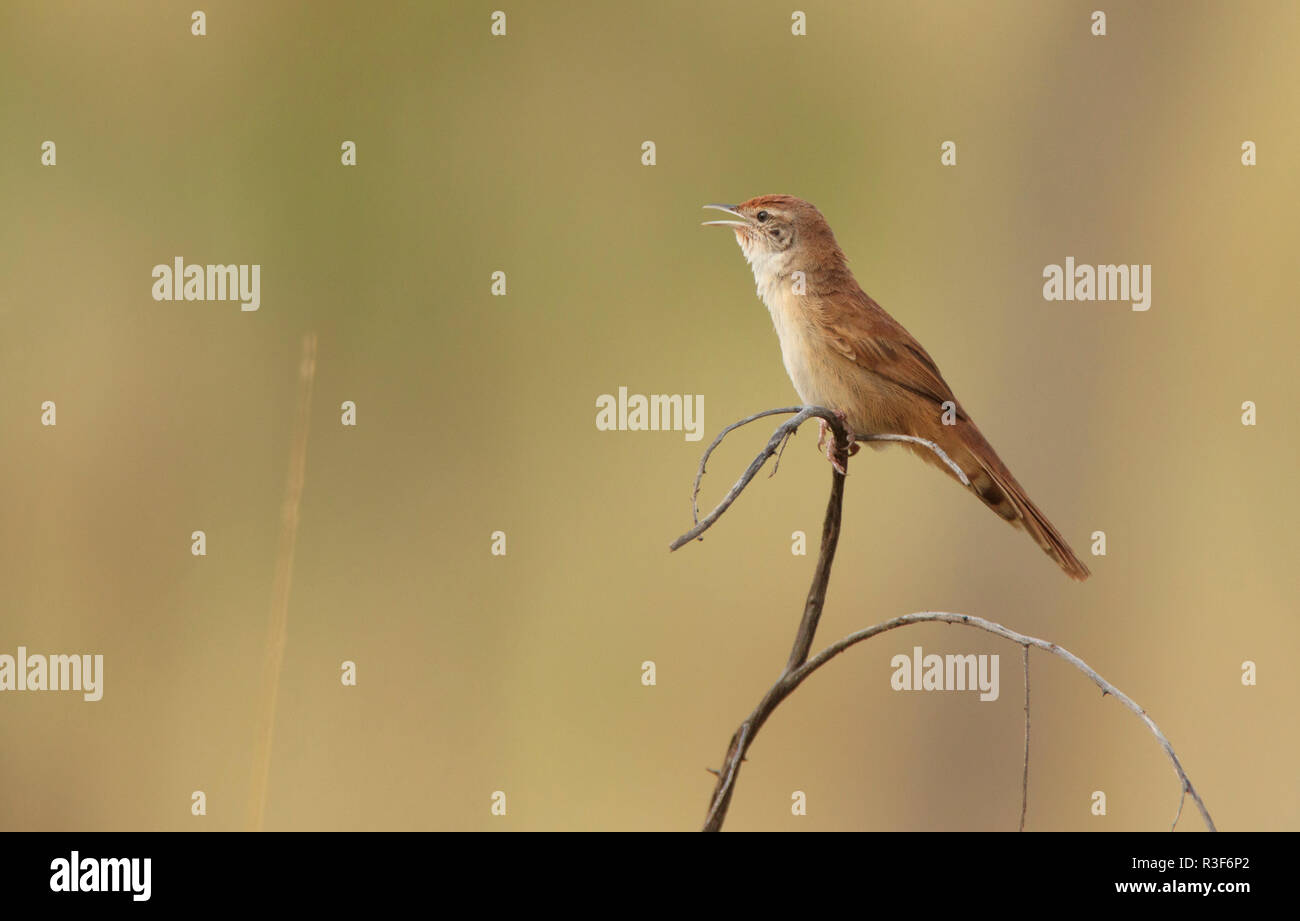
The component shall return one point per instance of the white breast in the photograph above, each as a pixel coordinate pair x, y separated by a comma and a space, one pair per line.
773, 278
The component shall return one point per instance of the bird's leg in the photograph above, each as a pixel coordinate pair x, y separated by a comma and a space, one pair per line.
836, 454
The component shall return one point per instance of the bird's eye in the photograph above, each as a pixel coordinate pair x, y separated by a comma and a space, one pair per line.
762, 216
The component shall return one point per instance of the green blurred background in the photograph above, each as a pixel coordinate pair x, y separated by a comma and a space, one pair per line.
476, 413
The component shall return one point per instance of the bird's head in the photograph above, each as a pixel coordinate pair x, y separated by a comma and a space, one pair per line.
771, 229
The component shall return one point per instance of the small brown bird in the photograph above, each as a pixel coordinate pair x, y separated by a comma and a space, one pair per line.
843, 352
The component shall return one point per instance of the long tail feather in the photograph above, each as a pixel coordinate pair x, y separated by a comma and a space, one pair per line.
993, 483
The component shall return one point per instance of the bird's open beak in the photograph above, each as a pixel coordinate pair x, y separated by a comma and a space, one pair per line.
729, 209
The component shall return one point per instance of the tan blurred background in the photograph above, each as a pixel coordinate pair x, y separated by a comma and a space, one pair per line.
476, 413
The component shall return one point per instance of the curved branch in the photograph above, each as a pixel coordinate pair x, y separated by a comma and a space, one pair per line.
699, 474
912, 439
792, 679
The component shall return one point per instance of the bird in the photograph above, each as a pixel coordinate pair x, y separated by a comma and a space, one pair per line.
843, 352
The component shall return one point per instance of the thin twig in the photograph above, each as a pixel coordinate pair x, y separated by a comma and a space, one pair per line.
1024, 784
277, 631
773, 444
912, 439
776, 464
1179, 814
700, 474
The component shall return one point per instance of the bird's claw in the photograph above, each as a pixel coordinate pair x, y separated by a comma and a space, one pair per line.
837, 455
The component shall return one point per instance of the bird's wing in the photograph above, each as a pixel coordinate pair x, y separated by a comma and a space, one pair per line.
859, 329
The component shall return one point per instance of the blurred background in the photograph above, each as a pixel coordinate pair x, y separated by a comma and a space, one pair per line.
522, 153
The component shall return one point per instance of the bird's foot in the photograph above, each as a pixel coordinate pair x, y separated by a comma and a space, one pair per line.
838, 455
